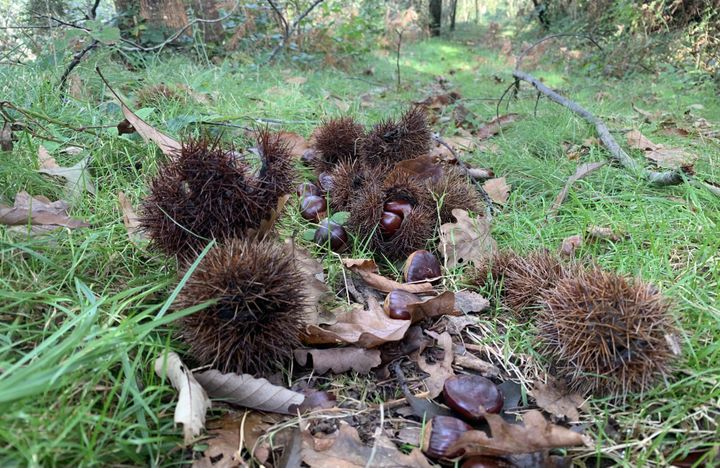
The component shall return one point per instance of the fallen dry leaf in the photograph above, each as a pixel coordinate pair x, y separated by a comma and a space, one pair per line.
38, 211
637, 140
672, 158
297, 143
366, 328
367, 270
557, 400
77, 178
192, 403
535, 434
466, 241
344, 449
439, 371
495, 125
228, 435
130, 219
339, 360
314, 286
468, 302
456, 325
498, 190
668, 158
444, 304
581, 171
570, 245
250, 392
168, 145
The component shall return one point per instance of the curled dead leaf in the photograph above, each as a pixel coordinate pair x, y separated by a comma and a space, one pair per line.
367, 328
130, 219
535, 434
250, 392
339, 360
169, 146
38, 211
367, 270
193, 403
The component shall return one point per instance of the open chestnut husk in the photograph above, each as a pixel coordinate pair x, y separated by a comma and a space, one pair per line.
441, 433
421, 265
331, 233
396, 304
313, 208
467, 394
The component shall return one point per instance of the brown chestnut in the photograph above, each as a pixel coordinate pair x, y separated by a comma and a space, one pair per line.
396, 304
401, 208
306, 189
308, 156
332, 233
313, 208
421, 265
441, 433
466, 394
389, 224
325, 181
481, 461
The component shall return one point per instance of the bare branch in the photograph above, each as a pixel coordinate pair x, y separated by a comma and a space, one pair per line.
617, 153
292, 29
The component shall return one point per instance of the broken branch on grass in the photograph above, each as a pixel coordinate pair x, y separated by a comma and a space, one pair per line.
617, 153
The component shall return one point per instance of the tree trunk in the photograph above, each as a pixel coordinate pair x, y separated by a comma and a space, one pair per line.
164, 13
207, 9
435, 17
454, 14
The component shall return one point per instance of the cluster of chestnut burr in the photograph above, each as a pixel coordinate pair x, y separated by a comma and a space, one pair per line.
396, 194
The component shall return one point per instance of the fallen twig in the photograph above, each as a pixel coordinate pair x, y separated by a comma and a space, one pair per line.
617, 153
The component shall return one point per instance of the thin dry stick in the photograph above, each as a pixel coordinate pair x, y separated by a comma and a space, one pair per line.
617, 153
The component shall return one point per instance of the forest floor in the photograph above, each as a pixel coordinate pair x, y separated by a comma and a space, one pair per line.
84, 312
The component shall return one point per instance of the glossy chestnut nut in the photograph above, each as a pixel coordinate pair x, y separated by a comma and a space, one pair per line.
401, 208
333, 234
466, 394
481, 461
442, 432
306, 189
313, 208
396, 304
421, 265
389, 224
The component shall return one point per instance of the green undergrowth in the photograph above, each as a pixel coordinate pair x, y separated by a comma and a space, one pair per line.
85, 312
